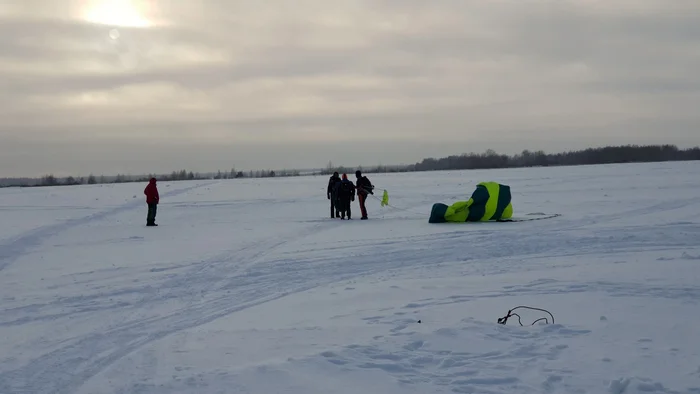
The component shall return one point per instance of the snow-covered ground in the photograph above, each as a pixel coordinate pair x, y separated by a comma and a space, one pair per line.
247, 286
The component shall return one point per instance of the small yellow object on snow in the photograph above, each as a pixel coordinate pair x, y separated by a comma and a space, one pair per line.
385, 198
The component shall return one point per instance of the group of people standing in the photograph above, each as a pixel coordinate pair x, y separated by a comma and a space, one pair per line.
341, 192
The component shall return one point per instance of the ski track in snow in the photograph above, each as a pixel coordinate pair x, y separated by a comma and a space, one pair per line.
268, 269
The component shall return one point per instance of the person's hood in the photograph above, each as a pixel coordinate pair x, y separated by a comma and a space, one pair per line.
152, 181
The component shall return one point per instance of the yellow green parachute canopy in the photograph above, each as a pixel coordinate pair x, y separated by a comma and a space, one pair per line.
490, 201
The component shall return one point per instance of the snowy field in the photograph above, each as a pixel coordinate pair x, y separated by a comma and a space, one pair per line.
247, 286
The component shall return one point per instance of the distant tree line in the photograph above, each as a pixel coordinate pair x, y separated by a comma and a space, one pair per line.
492, 160
180, 175
467, 161
603, 155
331, 168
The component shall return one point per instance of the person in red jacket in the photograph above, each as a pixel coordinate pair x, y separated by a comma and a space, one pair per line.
152, 199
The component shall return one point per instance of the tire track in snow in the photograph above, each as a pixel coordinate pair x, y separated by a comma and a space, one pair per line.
17, 246
226, 288
486, 253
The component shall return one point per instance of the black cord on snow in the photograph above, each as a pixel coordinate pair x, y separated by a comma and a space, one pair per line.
554, 215
397, 208
504, 319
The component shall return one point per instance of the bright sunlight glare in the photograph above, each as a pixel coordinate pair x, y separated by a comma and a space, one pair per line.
122, 13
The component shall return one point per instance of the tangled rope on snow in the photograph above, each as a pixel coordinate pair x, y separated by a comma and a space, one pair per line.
504, 319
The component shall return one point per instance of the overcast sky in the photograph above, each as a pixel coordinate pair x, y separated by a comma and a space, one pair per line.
139, 86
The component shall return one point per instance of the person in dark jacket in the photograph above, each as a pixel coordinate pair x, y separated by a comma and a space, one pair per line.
152, 199
331, 193
345, 191
364, 187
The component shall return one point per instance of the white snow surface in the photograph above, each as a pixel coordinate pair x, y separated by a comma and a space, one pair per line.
248, 286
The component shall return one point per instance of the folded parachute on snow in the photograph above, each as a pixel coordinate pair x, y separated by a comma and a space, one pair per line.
489, 202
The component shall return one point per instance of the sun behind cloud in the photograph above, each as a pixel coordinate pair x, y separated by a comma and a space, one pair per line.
118, 13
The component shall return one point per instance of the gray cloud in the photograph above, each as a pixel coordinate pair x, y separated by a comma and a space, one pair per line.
283, 84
